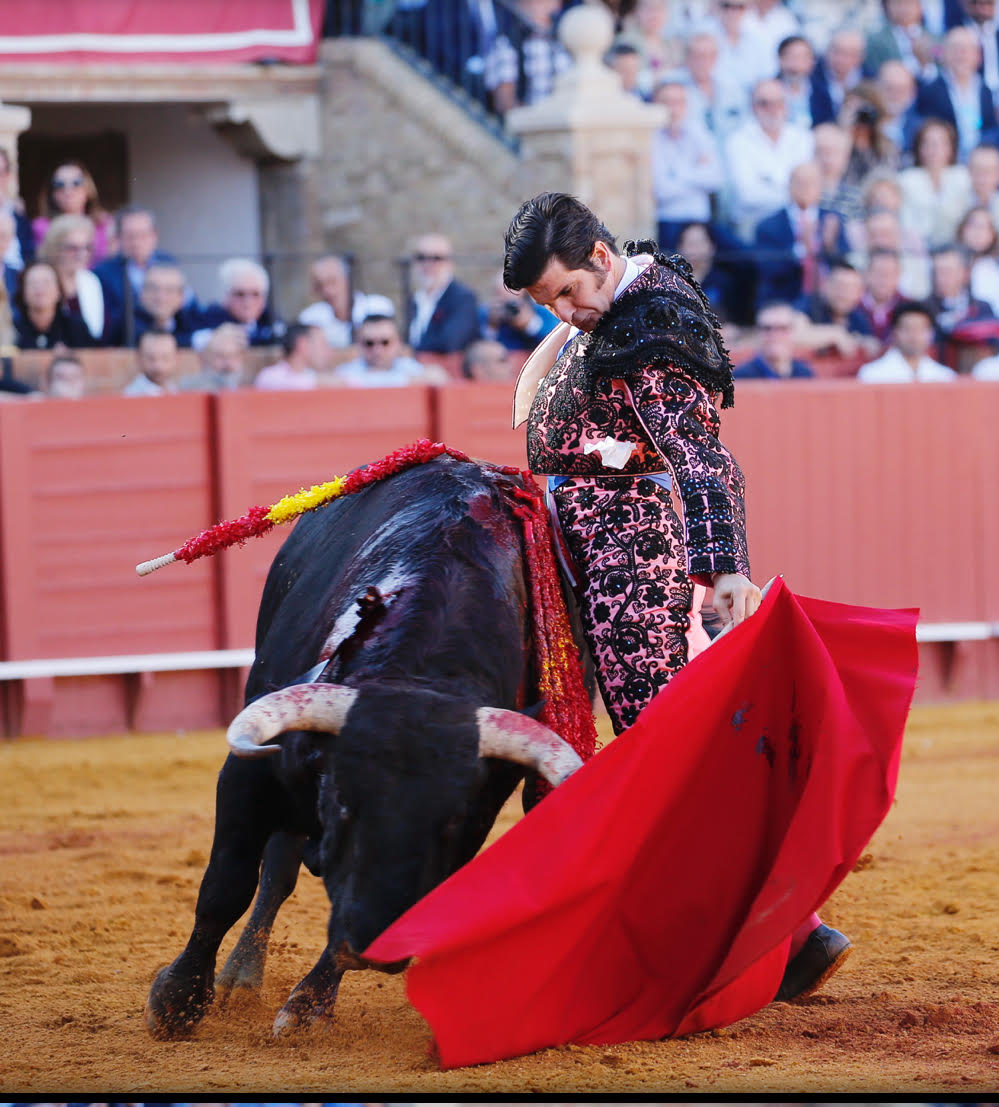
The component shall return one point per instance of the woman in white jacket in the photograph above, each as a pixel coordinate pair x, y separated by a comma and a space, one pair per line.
69, 246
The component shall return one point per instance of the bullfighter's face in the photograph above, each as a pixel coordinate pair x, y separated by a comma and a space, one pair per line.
579, 296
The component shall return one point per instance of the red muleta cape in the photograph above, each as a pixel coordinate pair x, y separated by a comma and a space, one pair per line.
653, 893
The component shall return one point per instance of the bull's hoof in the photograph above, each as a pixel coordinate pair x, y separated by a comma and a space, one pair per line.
175, 1007
233, 980
301, 1014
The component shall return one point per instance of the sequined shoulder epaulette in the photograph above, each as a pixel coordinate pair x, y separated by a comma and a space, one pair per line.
665, 318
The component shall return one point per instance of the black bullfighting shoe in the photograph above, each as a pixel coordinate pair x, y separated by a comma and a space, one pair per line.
823, 953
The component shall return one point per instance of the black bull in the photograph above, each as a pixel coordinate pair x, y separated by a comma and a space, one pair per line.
392, 649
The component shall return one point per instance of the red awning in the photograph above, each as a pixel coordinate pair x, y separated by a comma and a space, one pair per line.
155, 32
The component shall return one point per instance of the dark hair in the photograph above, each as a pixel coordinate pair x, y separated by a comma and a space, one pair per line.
551, 225
132, 209
933, 121
295, 331
377, 318
911, 307
22, 277
155, 332
790, 40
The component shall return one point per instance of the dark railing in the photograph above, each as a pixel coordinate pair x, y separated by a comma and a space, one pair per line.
446, 40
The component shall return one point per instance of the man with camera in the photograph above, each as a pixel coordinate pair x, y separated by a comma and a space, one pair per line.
514, 319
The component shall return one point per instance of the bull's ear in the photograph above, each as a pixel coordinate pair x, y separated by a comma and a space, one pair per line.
534, 711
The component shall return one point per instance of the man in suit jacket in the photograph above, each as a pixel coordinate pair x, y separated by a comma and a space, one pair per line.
796, 244
902, 37
443, 313
959, 80
122, 274
835, 73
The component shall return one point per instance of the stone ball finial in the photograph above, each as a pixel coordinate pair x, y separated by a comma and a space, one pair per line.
586, 31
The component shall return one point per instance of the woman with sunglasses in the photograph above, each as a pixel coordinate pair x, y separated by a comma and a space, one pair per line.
41, 320
69, 245
71, 191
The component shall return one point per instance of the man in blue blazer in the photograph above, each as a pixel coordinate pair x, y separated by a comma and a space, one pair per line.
122, 274
443, 313
798, 242
959, 61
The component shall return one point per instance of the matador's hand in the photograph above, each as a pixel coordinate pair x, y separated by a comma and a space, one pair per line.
736, 597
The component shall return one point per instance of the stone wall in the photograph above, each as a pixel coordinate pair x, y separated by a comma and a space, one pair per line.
399, 158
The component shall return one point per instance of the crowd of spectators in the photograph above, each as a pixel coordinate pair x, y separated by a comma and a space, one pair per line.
831, 172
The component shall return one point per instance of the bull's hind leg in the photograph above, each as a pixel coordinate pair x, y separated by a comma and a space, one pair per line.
183, 991
278, 877
313, 999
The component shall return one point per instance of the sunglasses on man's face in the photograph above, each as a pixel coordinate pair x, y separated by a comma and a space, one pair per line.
431, 257
246, 293
369, 342
67, 182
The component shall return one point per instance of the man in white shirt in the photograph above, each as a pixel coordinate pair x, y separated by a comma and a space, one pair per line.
686, 168
382, 363
907, 359
338, 309
760, 155
158, 365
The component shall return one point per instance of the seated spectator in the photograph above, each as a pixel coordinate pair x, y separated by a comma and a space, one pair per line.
835, 319
743, 53
983, 171
760, 155
336, 309
716, 99
41, 320
624, 60
796, 245
522, 65
908, 357
871, 150
64, 378
514, 319
836, 72
721, 283
774, 358
245, 288
686, 167
959, 96
902, 39
951, 302
21, 248
306, 353
644, 28
795, 65
882, 293
71, 191
832, 155
936, 191
156, 358
900, 120
8, 235
977, 234
223, 362
488, 360
123, 273
773, 22
68, 246
162, 304
382, 363
443, 313
882, 228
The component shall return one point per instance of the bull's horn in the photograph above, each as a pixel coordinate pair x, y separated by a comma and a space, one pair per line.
515, 737
297, 707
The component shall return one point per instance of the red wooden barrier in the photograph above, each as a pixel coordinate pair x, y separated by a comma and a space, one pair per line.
269, 444
884, 495
85, 494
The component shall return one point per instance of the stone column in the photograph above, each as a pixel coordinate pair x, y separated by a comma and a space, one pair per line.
13, 122
590, 137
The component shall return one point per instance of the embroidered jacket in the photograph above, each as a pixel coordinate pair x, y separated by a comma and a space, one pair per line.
624, 382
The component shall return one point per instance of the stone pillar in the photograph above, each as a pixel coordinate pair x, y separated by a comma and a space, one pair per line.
590, 137
13, 122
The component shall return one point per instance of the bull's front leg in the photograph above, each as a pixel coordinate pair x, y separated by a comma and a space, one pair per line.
313, 999
183, 991
244, 968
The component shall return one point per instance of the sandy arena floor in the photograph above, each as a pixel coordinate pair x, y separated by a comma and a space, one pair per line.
104, 842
